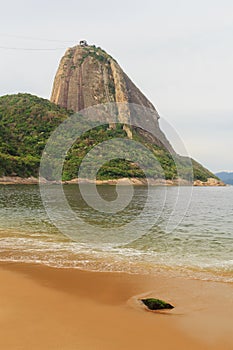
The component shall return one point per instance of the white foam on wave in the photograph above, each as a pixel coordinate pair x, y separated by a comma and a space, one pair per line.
106, 258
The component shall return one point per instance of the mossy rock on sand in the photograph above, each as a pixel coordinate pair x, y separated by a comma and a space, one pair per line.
156, 304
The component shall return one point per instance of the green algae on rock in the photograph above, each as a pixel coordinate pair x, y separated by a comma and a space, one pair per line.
156, 304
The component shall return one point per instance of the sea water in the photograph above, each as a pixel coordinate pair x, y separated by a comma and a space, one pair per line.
200, 245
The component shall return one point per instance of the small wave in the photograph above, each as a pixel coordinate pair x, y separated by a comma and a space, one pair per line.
69, 254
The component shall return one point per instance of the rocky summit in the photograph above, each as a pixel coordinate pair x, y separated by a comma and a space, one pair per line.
88, 76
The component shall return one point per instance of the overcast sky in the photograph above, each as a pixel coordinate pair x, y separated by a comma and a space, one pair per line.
179, 53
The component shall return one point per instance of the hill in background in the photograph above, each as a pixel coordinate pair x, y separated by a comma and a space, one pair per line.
27, 121
226, 177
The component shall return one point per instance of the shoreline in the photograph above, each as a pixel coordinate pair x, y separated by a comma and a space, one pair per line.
51, 308
15, 180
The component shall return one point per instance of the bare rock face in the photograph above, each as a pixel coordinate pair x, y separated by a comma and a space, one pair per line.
210, 182
88, 76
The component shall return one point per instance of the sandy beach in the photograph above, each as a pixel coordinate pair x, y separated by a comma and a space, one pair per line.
49, 308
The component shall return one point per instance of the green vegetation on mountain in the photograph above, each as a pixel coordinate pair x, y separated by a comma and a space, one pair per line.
27, 121
201, 173
95, 52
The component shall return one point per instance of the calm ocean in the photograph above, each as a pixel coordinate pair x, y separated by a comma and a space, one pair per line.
201, 246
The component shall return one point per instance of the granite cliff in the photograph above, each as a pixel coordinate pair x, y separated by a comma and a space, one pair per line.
88, 76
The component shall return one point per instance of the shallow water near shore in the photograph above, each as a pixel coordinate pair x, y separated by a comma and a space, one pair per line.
200, 247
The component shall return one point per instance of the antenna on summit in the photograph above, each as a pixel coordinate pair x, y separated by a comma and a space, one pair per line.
83, 43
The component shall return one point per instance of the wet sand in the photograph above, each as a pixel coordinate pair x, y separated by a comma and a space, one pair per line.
48, 308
